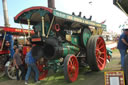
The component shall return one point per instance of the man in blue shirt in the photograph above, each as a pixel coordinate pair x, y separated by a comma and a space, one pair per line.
123, 45
31, 63
9, 38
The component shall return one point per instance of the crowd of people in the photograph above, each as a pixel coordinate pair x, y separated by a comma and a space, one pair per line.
30, 62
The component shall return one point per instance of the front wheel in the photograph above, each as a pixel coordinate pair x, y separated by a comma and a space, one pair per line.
71, 68
11, 70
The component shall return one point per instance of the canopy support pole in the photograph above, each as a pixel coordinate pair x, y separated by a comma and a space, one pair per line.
28, 27
43, 31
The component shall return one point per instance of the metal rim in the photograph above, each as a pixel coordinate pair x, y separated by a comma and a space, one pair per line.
100, 53
42, 72
11, 71
72, 68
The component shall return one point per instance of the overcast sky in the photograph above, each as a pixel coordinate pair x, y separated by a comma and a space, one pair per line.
99, 9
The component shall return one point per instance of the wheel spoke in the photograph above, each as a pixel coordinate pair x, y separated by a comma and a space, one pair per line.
100, 63
101, 58
99, 43
101, 51
72, 68
97, 57
70, 63
101, 47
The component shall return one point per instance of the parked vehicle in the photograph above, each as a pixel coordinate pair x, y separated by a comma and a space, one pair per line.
65, 41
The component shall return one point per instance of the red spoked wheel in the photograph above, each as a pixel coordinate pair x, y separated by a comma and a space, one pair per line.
100, 53
42, 72
71, 68
96, 53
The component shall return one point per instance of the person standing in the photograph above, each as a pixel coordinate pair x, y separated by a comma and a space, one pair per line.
18, 64
31, 63
123, 45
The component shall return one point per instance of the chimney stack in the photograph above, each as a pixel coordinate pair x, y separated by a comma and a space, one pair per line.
5, 11
51, 4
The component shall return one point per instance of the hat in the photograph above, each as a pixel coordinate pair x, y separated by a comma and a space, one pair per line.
125, 28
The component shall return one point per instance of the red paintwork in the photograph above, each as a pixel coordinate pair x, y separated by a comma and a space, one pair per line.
4, 52
36, 39
15, 30
42, 72
32, 8
25, 49
109, 57
57, 27
73, 68
101, 53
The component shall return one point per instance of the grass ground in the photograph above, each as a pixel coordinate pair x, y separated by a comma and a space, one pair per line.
86, 77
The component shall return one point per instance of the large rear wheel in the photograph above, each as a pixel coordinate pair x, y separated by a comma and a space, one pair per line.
96, 53
71, 68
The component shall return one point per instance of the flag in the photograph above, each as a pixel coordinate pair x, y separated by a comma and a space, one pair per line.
103, 21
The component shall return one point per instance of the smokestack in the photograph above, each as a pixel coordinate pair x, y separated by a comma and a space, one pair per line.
5, 11
51, 4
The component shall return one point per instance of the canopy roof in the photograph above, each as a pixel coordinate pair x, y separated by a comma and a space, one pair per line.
122, 4
34, 14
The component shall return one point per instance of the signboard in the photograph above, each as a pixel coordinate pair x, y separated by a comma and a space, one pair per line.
16, 30
114, 78
78, 19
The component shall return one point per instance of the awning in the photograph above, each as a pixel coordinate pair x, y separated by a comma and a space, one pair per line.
122, 4
16, 31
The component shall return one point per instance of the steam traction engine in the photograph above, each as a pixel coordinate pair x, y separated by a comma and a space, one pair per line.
64, 41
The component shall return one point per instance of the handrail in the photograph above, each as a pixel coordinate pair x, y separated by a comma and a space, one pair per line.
3, 42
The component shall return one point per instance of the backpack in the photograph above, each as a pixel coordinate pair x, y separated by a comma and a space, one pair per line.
29, 59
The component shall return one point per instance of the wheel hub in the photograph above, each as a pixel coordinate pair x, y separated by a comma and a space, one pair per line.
98, 53
73, 68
